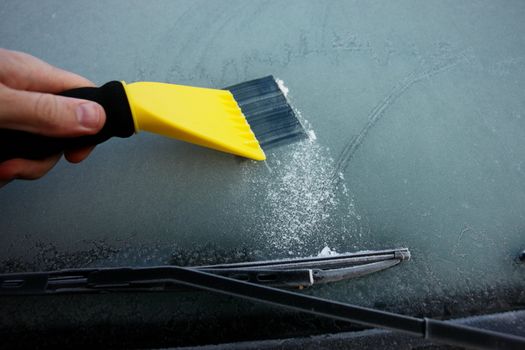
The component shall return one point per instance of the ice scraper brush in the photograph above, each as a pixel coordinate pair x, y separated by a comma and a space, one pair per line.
218, 119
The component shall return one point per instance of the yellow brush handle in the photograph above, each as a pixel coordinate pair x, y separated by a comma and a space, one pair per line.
206, 117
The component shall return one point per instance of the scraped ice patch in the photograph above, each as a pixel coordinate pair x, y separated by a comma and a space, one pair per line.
326, 251
306, 125
283, 87
299, 207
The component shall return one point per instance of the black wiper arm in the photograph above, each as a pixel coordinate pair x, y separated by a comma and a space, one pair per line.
288, 273
433, 330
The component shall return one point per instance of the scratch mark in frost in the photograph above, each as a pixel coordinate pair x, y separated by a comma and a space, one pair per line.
377, 113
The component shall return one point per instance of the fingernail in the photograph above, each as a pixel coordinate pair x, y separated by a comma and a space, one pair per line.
88, 115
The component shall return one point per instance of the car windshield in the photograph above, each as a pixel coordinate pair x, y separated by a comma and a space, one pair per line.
415, 113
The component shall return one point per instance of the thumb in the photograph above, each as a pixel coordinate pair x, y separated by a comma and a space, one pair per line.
49, 114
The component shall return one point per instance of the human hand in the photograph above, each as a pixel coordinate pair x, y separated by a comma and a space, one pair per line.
28, 103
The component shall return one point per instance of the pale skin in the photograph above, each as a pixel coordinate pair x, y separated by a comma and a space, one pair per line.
28, 102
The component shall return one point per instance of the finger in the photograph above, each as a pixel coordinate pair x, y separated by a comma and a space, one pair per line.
78, 155
49, 114
22, 71
26, 169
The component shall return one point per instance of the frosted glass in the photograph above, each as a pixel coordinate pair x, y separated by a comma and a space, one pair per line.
416, 117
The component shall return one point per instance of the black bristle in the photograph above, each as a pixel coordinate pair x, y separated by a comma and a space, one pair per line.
266, 109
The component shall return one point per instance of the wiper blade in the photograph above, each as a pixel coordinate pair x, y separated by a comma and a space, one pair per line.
287, 273
305, 272
325, 262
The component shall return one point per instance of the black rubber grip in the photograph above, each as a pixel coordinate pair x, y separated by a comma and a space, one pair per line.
119, 122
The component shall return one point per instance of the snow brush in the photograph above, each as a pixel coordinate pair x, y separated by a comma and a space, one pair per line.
241, 119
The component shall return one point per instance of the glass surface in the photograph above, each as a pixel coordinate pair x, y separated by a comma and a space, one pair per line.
416, 115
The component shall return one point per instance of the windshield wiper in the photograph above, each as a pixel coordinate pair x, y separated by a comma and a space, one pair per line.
433, 330
305, 272
287, 273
